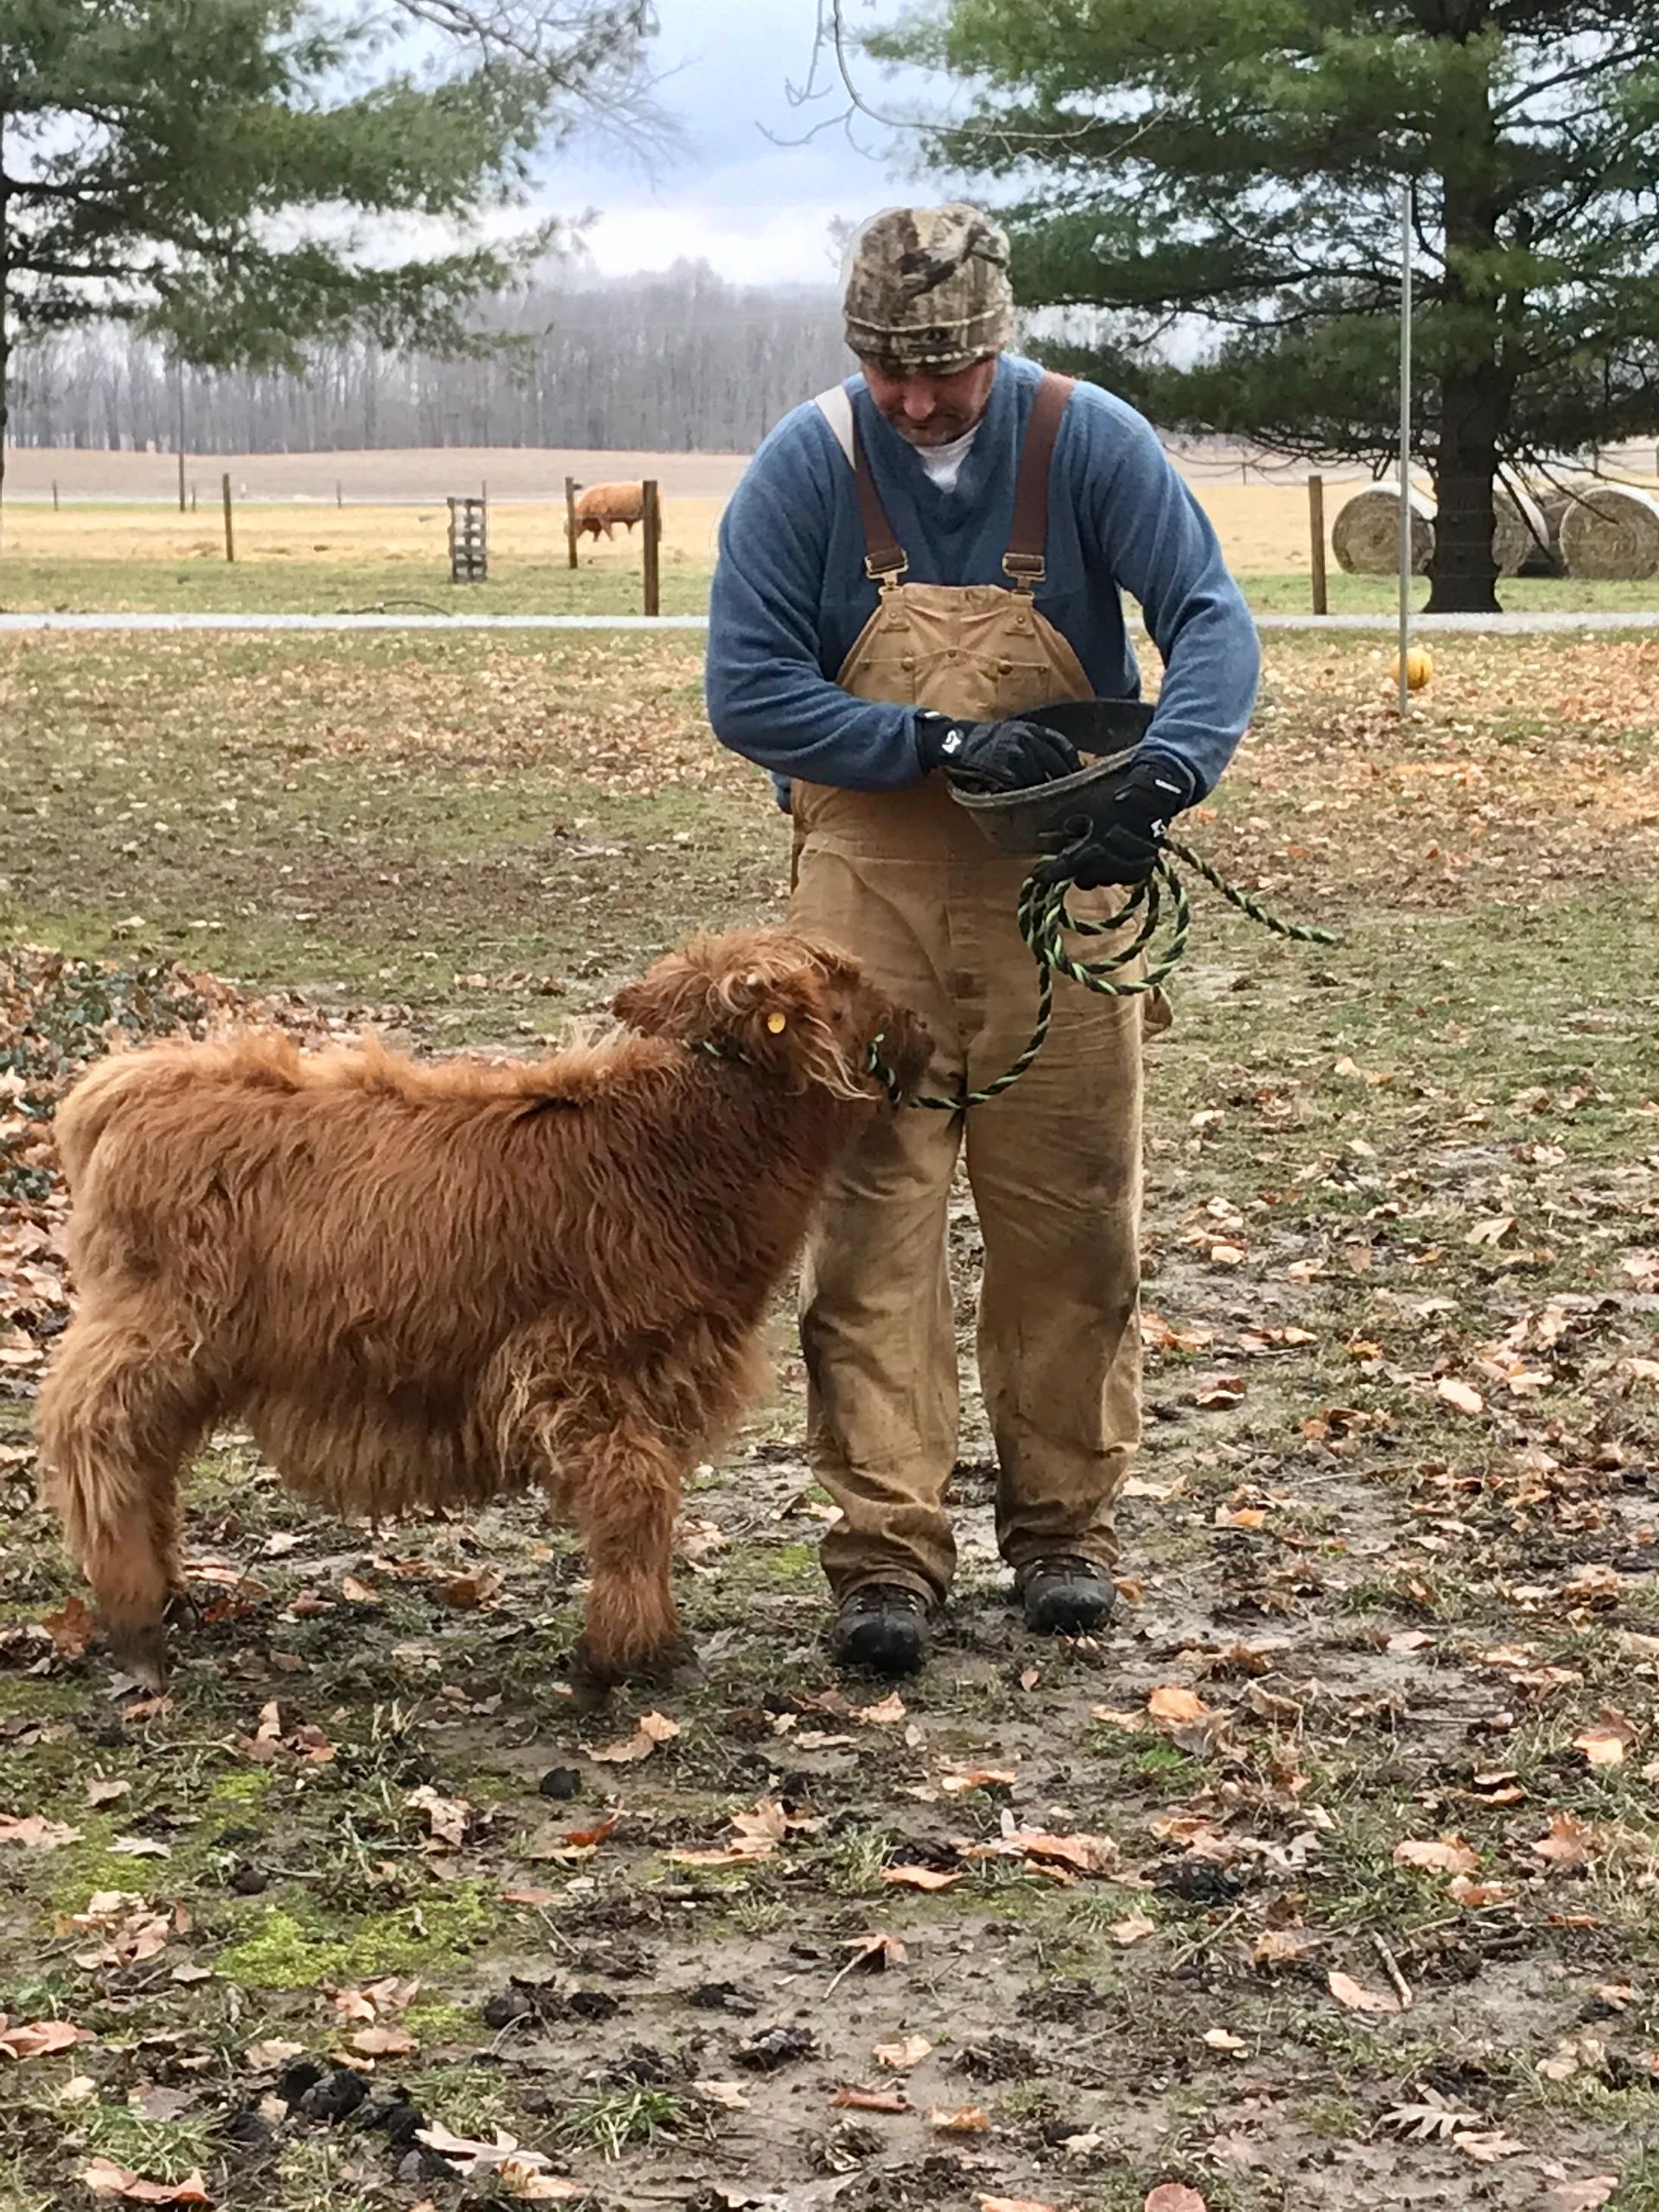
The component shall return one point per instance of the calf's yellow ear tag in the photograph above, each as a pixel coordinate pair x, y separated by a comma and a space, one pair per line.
776, 1023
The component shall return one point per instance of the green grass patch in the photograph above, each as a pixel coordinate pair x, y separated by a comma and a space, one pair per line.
298, 1944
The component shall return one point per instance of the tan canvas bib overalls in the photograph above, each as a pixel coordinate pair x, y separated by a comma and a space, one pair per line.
907, 882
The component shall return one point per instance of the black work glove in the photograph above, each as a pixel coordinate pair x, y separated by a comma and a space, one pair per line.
1118, 826
1003, 756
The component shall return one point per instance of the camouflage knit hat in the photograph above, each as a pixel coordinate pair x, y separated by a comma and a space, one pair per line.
928, 287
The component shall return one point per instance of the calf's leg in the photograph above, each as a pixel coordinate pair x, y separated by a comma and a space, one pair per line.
119, 1412
622, 1486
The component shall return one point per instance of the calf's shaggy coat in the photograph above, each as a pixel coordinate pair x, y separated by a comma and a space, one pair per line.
424, 1284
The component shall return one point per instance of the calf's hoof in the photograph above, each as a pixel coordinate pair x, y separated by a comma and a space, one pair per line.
141, 1651
594, 1671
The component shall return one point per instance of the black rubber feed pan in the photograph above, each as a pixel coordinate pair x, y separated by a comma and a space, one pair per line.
1014, 821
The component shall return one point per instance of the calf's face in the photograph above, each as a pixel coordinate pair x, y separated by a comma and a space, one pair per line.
798, 1008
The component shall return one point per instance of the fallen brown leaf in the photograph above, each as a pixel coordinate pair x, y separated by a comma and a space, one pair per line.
105, 2178
1587, 2196
917, 1877
464, 1592
384, 2042
1566, 1846
721, 1854
876, 1951
886, 1713
1449, 1855
1488, 2147
1176, 1705
1356, 1997
1460, 1394
35, 1833
1173, 2196
583, 1839
132, 1929
966, 2120
732, 2096
1606, 1743
447, 1817
654, 1728
39, 2039
892, 2100
265, 2057
1474, 1895
1277, 1946
900, 2055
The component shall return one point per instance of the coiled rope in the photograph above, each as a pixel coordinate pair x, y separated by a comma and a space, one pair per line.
1045, 923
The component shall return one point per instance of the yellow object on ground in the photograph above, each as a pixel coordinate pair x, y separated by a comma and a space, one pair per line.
1419, 666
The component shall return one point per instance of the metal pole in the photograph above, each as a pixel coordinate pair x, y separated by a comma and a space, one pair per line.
179, 441
1405, 450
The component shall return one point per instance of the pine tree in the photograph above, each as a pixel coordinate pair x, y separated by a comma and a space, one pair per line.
239, 177
1242, 165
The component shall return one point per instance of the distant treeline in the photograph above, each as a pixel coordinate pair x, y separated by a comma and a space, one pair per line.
680, 362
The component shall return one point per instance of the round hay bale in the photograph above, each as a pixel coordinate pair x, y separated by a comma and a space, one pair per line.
1552, 504
1611, 533
1520, 534
1365, 536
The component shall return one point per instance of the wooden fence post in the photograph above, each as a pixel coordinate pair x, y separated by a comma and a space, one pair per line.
339, 493
651, 516
1316, 535
230, 527
54, 495
181, 479
570, 518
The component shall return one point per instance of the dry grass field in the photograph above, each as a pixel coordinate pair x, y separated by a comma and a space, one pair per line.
117, 540
395, 506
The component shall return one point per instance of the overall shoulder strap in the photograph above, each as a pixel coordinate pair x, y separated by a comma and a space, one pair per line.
836, 406
1027, 558
885, 559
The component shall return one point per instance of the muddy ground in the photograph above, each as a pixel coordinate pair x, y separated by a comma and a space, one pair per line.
1326, 1879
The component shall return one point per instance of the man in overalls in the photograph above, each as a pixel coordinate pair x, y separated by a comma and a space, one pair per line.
910, 563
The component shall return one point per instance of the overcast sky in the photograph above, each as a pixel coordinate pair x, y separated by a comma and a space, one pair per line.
758, 212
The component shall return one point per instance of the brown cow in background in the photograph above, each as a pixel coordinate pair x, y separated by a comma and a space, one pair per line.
602, 505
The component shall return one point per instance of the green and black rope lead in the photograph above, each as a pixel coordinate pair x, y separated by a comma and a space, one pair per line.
1045, 923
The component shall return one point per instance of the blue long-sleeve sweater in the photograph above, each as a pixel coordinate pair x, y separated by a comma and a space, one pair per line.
790, 594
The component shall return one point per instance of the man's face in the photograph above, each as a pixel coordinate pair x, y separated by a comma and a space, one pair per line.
929, 409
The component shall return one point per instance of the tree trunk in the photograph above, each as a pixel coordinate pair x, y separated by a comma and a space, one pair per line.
1462, 570
5, 337
1477, 385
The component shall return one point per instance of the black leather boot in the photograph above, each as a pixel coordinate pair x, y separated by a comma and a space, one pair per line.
883, 1626
1065, 1595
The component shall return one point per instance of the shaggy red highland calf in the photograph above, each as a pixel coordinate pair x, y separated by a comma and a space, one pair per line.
601, 505
421, 1285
